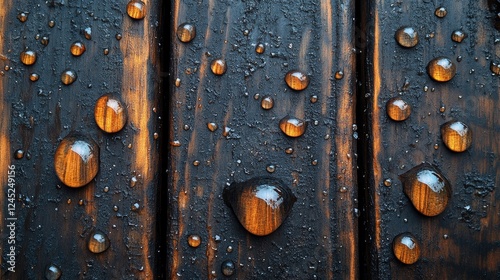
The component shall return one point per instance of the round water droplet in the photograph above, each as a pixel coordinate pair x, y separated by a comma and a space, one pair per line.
98, 242
339, 75
440, 12
118, 36
388, 182
194, 240
441, 69
289, 150
34, 77
218, 67
261, 204
260, 48
229, 249
296, 80
45, 40
456, 135
52, 272
51, 23
19, 154
22, 17
292, 127
267, 103
458, 36
313, 99
28, 57
495, 68
110, 114
105, 51
196, 162
77, 48
212, 126
442, 109
406, 248
270, 168
406, 37
428, 190
227, 267
136, 9
76, 160
397, 109
68, 77
186, 32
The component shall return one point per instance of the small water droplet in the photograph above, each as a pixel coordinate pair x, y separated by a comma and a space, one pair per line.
388, 182
314, 162
261, 204
186, 32
436, 146
52, 272
81, 202
135, 207
406, 248
426, 88
87, 32
267, 103
289, 150
260, 48
270, 168
28, 57
22, 17
228, 267
441, 69
406, 37
98, 242
458, 36
186, 127
118, 36
110, 114
218, 67
445, 236
77, 48
212, 126
115, 208
156, 135
495, 68
194, 240
426, 187
196, 162
313, 99
292, 127
34, 77
456, 135
68, 77
256, 96
19, 154
296, 80
442, 109
229, 249
397, 109
440, 12
343, 189
45, 40
136, 9
175, 143
106, 189
177, 82
51, 23
76, 160
339, 75
105, 51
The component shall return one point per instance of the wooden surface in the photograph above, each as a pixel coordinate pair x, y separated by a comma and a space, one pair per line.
461, 242
319, 237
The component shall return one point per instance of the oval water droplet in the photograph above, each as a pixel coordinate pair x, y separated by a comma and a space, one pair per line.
52, 272
228, 267
406, 248
110, 114
77, 48
292, 127
289, 150
398, 109
260, 48
218, 67
136, 9
87, 32
456, 135
28, 57
267, 103
458, 36
339, 75
76, 160
118, 36
428, 190
105, 51
194, 240
406, 36
271, 168
186, 32
296, 80
440, 12
51, 23
261, 204
441, 69
68, 77
98, 242
19, 154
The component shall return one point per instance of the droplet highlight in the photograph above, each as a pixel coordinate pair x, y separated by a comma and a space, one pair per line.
292, 127
441, 69
110, 114
406, 36
296, 80
456, 135
98, 242
186, 32
406, 248
398, 109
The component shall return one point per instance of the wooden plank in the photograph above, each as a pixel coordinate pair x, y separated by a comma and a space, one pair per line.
461, 242
54, 221
319, 238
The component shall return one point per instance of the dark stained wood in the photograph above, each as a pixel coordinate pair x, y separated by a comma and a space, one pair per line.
461, 242
319, 237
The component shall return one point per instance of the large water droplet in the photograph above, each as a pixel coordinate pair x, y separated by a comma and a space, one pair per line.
227, 267
109, 113
28, 57
406, 248
296, 80
428, 190
441, 69
136, 9
293, 127
194, 240
218, 67
406, 37
68, 77
76, 160
98, 242
456, 135
397, 109
52, 272
186, 32
261, 204
77, 48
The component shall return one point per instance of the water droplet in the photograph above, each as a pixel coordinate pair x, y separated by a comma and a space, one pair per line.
68, 77
106, 189
227, 267
87, 32
51, 23
436, 146
22, 17
133, 181
52, 272
135, 207
109, 113
45, 40
406, 37
229, 249
105, 51
406, 248
440, 12
77, 48
296, 80
267, 103
458, 36
76, 160
186, 32
196, 162
456, 135
175, 143
459, 58
292, 127
118, 36
388, 182
81, 202
289, 150
314, 162
442, 109
428, 190
339, 75
136, 9
28, 57
177, 82
19, 154
34, 77
260, 48
313, 99
186, 127
495, 68
261, 204
98, 242
156, 135
270, 168
397, 109
426, 88
218, 67
256, 96
445, 236
212, 126
194, 240
115, 208
441, 69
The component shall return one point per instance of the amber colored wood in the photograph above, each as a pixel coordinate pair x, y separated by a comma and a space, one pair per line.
110, 113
